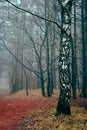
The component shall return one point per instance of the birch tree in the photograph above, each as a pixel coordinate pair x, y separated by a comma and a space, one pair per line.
63, 105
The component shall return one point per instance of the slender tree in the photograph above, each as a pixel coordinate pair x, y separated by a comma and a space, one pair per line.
74, 67
84, 65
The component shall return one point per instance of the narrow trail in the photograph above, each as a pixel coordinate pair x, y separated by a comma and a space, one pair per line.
14, 109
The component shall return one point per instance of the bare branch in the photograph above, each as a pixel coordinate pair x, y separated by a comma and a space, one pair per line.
36, 15
23, 65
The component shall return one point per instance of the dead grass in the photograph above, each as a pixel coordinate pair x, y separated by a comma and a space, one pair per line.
44, 119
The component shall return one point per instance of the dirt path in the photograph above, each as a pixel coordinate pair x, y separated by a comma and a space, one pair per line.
14, 109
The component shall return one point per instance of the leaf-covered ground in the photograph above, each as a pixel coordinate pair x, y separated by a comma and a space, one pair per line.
44, 119
19, 112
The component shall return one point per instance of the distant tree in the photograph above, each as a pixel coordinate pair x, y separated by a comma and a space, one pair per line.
49, 41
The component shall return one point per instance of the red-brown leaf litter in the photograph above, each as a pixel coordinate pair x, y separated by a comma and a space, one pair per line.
13, 109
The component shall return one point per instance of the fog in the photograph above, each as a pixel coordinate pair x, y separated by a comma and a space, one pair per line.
3, 84
4, 87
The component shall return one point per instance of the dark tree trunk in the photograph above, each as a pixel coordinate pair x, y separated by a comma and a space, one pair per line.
84, 65
86, 40
42, 85
74, 66
41, 78
49, 51
26, 78
73, 73
63, 105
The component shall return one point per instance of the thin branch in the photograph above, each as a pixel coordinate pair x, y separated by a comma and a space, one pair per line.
36, 15
34, 71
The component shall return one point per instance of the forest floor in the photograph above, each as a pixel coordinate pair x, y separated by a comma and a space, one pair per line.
34, 112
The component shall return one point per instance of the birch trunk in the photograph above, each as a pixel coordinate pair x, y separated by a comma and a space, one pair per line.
63, 105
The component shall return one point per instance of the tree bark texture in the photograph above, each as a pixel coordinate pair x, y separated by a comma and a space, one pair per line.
63, 105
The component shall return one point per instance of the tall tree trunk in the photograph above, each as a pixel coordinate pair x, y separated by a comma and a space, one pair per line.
84, 65
86, 39
74, 67
49, 41
63, 105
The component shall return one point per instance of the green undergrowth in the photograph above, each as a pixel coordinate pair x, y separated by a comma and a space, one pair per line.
44, 119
